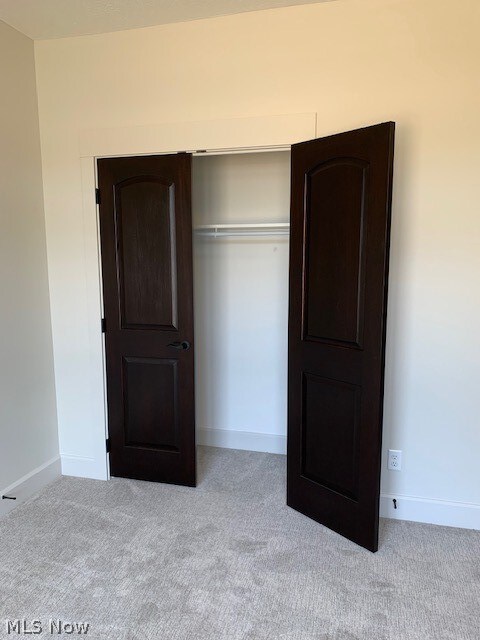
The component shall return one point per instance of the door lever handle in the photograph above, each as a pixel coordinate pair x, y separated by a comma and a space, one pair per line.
181, 346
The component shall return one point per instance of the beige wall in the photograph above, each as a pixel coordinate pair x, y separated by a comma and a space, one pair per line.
28, 422
354, 62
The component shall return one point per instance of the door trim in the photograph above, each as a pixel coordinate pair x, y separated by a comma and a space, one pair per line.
237, 135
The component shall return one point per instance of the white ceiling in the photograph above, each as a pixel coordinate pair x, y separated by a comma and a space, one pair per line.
43, 19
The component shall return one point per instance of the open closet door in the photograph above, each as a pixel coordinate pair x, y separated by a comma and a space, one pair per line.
340, 227
146, 241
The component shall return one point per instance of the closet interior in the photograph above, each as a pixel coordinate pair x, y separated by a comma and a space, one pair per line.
240, 212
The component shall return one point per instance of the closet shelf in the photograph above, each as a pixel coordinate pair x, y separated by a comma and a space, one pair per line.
252, 229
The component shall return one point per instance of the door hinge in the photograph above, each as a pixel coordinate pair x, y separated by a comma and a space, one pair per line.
107, 444
104, 325
97, 196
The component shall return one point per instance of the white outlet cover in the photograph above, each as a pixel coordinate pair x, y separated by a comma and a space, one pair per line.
394, 460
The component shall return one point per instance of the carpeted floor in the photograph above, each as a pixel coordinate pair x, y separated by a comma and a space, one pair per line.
227, 561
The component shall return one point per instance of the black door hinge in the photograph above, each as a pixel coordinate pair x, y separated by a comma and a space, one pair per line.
107, 443
97, 196
104, 325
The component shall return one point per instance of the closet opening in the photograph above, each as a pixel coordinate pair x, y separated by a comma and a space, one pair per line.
240, 215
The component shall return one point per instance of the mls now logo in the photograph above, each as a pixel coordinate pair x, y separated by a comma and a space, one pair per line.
53, 627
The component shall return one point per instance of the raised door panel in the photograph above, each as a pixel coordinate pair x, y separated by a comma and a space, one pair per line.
330, 418
151, 397
145, 226
334, 212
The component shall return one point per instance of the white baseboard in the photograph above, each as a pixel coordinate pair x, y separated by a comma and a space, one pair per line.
29, 484
450, 514
442, 512
82, 467
250, 441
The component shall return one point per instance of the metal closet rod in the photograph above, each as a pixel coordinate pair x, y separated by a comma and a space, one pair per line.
239, 150
253, 229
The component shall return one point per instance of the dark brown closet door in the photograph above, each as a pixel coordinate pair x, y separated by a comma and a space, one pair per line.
146, 240
340, 226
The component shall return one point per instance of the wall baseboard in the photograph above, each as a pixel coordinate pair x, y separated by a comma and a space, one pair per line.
442, 512
247, 440
450, 514
447, 513
29, 484
82, 467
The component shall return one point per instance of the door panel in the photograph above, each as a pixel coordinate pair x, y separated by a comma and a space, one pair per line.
150, 389
145, 228
330, 421
340, 226
335, 194
145, 219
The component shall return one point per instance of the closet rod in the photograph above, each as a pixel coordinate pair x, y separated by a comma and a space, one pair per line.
239, 150
253, 229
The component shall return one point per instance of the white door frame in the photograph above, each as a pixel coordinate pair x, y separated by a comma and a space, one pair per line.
239, 135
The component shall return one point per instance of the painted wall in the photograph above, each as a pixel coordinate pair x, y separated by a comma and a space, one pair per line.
354, 62
241, 302
28, 421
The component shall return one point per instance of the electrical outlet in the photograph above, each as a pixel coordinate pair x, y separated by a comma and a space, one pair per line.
394, 460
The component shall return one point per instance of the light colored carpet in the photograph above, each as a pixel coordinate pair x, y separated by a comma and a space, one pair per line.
228, 561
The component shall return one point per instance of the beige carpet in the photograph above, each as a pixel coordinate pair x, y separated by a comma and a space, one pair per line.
227, 561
